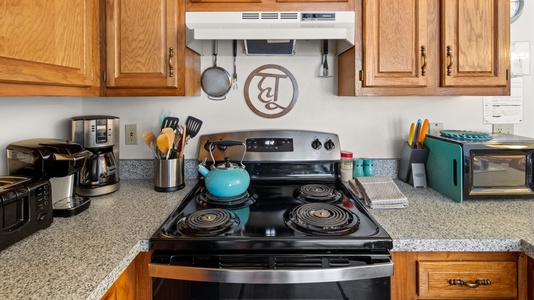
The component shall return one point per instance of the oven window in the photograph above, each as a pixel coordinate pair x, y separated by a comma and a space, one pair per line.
499, 170
377, 288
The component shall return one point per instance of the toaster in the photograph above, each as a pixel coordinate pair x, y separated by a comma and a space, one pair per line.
25, 208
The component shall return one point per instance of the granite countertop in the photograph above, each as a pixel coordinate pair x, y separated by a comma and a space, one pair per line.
433, 222
80, 257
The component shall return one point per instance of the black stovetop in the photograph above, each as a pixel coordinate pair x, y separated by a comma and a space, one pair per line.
263, 223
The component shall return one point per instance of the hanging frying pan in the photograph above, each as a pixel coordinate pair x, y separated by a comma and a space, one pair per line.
216, 81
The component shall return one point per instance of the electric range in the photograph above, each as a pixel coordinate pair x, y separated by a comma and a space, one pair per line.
296, 224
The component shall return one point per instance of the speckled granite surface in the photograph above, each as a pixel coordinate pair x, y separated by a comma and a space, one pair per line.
433, 222
81, 257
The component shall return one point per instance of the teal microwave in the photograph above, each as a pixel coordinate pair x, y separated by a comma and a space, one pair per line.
470, 169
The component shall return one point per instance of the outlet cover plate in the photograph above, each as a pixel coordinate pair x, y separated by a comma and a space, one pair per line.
435, 127
503, 128
130, 134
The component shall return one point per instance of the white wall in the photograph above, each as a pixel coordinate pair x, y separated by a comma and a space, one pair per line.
369, 126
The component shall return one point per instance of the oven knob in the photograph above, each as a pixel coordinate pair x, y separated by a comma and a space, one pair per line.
316, 144
329, 145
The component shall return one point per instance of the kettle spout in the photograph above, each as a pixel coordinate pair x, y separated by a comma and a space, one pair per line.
203, 170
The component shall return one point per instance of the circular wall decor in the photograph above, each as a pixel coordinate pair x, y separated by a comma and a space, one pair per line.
516, 9
271, 91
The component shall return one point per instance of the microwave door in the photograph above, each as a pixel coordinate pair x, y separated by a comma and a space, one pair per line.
499, 174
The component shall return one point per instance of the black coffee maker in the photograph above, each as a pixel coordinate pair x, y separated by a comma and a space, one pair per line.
55, 160
99, 134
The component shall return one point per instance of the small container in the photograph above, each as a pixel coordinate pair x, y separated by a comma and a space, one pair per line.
358, 168
368, 167
346, 165
169, 175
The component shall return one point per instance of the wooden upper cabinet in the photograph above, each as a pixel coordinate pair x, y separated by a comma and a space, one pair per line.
428, 47
49, 47
145, 51
476, 42
395, 42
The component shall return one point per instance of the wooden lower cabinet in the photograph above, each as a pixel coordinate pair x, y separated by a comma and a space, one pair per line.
134, 283
460, 275
530, 277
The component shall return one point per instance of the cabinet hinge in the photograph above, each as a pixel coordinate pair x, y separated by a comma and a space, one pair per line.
105, 76
360, 75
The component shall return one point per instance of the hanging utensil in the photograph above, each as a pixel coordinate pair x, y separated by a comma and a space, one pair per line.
234, 76
216, 81
193, 126
323, 69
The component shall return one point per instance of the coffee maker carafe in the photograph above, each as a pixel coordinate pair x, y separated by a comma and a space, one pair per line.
55, 160
98, 134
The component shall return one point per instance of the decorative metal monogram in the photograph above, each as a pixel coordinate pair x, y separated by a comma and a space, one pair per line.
271, 91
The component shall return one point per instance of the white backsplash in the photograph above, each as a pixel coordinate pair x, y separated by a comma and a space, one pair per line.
369, 126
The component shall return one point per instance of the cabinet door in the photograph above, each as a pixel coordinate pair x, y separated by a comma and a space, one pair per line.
52, 42
476, 42
142, 47
395, 35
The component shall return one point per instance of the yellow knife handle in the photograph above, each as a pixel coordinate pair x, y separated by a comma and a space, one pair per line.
410, 138
424, 130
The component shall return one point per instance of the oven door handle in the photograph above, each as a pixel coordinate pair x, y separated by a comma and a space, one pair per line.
377, 270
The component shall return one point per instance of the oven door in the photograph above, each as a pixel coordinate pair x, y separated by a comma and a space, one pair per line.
271, 276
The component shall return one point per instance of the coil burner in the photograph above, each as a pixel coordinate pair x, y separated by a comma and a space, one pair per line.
208, 222
317, 193
322, 219
240, 201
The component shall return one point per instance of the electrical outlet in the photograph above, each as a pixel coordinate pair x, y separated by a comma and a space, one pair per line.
435, 127
131, 134
503, 128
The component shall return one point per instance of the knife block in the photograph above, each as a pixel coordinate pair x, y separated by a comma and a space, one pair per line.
412, 165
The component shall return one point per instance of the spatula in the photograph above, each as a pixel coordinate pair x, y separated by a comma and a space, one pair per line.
193, 126
171, 122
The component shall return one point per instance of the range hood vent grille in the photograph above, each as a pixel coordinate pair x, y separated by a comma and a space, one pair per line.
270, 26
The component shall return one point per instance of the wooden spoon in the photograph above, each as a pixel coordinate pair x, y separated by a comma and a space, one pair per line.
150, 140
163, 143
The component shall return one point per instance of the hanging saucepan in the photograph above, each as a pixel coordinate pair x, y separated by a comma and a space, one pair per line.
216, 81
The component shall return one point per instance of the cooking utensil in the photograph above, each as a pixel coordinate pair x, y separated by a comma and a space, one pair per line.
323, 69
171, 122
163, 143
234, 76
226, 179
150, 140
182, 148
193, 126
216, 81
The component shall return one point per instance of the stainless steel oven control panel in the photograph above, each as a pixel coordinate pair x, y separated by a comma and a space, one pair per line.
274, 146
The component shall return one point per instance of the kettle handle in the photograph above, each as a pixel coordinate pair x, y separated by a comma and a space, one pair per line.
227, 143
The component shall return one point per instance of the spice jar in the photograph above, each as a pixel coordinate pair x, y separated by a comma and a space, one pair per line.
368, 168
358, 168
346, 165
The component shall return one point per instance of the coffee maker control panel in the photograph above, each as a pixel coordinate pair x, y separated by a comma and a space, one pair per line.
100, 128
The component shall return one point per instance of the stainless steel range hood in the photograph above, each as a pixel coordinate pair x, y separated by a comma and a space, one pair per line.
272, 27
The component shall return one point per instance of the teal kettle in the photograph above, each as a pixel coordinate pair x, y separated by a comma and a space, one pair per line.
226, 179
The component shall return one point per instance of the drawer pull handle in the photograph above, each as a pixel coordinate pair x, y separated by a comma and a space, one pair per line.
451, 60
477, 283
423, 55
